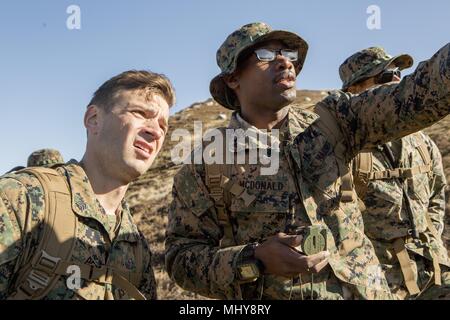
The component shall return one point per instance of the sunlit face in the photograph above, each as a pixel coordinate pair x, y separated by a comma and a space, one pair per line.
267, 84
132, 133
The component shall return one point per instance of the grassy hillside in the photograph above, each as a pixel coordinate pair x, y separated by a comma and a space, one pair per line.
150, 196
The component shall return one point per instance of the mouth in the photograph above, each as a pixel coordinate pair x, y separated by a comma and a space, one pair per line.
286, 79
143, 148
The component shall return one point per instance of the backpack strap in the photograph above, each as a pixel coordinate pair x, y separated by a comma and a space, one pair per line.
365, 171
217, 175
328, 124
53, 255
423, 150
364, 174
406, 266
221, 189
363, 166
426, 157
40, 274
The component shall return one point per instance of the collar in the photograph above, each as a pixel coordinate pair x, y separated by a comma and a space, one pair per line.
85, 204
298, 120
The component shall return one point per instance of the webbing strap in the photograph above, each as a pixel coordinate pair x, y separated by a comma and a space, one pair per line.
110, 276
406, 266
37, 278
53, 255
215, 180
363, 162
400, 173
424, 153
120, 282
436, 266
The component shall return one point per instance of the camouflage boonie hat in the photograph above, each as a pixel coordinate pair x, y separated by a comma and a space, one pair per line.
368, 63
44, 158
240, 40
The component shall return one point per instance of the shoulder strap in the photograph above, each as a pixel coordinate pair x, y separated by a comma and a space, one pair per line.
217, 176
38, 276
328, 124
423, 150
221, 188
362, 167
53, 255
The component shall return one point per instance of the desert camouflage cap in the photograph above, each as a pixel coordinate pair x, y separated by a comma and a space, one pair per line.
368, 63
246, 37
44, 158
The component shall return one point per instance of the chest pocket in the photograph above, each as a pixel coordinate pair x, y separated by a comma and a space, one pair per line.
265, 216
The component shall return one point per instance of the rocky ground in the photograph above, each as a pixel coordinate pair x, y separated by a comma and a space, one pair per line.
150, 195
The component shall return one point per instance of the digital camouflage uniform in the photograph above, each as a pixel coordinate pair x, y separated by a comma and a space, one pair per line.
44, 158
386, 216
311, 164
101, 239
41, 158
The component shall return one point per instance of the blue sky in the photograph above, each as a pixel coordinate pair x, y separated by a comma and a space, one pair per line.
48, 72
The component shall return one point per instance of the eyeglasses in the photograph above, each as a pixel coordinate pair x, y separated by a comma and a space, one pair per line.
388, 76
267, 55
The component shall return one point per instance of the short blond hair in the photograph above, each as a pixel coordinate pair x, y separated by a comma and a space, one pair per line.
142, 80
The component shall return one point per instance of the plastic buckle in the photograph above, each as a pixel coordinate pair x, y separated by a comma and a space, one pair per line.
47, 263
364, 176
37, 280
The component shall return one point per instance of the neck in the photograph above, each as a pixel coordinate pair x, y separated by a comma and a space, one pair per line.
264, 118
108, 190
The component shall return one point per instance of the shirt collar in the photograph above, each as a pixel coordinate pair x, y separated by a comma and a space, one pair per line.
85, 204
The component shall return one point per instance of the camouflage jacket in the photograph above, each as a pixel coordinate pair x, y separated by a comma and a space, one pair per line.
100, 238
193, 256
386, 217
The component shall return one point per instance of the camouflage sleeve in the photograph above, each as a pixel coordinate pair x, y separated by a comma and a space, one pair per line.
436, 208
392, 111
15, 218
148, 284
193, 257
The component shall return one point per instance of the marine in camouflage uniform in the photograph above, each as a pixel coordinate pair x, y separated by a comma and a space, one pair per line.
41, 158
66, 232
101, 239
306, 190
44, 158
390, 218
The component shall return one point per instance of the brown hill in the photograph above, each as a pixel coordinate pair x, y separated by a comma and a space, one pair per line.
150, 196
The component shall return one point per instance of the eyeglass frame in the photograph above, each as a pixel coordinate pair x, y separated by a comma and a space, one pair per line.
388, 73
276, 53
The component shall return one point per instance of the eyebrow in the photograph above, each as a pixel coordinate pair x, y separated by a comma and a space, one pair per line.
142, 107
134, 105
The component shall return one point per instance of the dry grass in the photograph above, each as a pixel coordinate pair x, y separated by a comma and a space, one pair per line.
150, 196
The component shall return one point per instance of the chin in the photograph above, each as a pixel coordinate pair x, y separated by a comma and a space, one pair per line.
289, 95
134, 170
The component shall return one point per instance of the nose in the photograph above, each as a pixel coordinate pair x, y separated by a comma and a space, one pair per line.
284, 63
152, 131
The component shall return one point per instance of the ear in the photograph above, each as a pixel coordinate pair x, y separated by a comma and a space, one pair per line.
92, 119
352, 89
232, 80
